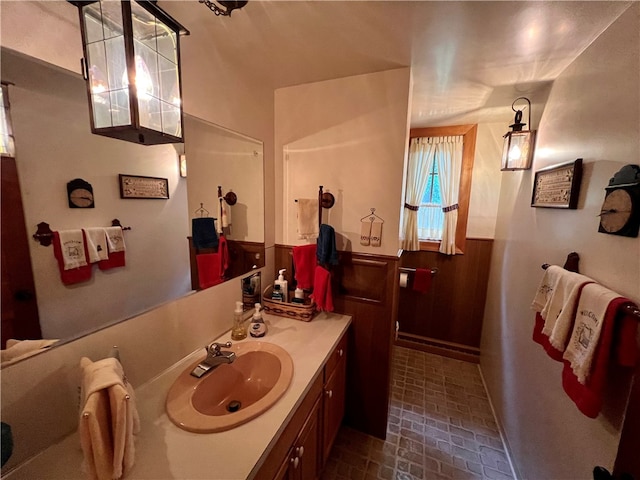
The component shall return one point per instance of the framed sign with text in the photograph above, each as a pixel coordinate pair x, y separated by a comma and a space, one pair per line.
558, 186
135, 186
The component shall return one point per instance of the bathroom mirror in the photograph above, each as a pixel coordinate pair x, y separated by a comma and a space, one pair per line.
54, 146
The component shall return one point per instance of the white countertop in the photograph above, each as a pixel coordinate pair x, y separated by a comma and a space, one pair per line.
164, 451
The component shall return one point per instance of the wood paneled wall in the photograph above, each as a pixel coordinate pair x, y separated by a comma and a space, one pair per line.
365, 287
451, 311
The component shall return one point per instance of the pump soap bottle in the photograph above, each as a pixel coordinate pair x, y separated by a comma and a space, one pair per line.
283, 285
258, 327
239, 330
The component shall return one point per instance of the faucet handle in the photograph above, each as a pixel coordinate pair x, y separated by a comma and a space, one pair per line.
214, 348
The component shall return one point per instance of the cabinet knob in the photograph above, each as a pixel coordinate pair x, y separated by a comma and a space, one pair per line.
300, 451
340, 352
330, 393
295, 461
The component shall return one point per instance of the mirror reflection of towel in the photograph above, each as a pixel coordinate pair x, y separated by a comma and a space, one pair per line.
204, 232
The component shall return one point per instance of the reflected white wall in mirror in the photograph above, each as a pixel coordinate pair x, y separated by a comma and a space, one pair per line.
53, 146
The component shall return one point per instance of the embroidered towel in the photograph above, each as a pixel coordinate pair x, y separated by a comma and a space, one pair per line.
96, 244
556, 300
307, 218
590, 316
617, 343
376, 234
304, 262
75, 275
108, 419
73, 248
365, 233
116, 247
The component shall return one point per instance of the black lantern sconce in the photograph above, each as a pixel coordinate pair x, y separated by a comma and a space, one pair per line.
229, 6
132, 68
517, 151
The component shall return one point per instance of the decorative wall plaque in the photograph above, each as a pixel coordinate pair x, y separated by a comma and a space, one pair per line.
135, 186
558, 186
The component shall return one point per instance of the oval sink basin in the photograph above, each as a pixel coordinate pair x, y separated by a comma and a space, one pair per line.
231, 394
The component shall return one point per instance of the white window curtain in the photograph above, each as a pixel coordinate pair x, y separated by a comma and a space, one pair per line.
449, 157
421, 158
447, 151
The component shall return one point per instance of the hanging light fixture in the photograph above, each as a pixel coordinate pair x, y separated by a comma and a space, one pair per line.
229, 6
517, 151
132, 68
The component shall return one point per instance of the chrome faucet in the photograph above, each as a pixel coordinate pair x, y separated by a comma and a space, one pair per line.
215, 357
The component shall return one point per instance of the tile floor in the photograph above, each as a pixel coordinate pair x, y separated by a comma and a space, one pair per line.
440, 427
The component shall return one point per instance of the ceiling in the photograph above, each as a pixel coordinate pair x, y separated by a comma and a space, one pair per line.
469, 60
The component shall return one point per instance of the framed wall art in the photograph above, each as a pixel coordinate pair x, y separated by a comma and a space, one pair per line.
135, 186
557, 186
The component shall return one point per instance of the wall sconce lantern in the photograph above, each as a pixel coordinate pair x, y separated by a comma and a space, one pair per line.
229, 6
132, 68
517, 151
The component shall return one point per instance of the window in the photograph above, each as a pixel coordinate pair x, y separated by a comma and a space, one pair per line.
430, 217
6, 134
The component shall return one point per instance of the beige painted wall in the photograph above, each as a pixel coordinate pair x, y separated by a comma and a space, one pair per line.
349, 135
593, 113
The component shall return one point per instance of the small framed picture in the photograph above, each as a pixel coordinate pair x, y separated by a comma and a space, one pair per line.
558, 186
135, 186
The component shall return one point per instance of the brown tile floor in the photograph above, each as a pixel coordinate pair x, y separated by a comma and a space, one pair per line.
440, 427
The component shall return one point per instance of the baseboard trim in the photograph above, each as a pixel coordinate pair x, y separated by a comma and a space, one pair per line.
439, 347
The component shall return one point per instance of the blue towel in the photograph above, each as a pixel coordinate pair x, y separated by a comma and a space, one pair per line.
326, 251
204, 234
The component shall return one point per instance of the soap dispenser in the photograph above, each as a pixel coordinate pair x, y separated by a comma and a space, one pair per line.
283, 285
258, 328
239, 330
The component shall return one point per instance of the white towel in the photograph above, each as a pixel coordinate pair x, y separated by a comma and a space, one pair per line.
19, 349
555, 300
115, 239
376, 234
308, 218
365, 233
96, 244
72, 247
592, 308
224, 214
108, 419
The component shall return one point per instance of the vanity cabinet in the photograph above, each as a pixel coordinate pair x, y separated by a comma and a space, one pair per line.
304, 445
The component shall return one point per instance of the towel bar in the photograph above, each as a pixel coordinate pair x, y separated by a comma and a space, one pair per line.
434, 270
87, 414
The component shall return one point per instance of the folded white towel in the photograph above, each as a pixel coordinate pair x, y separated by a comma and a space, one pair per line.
365, 233
96, 244
308, 218
115, 239
72, 247
108, 419
376, 234
19, 349
224, 215
592, 307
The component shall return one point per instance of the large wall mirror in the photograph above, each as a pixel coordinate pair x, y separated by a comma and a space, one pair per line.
54, 146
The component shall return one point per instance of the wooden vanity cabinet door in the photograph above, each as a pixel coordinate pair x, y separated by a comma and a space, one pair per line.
334, 400
307, 447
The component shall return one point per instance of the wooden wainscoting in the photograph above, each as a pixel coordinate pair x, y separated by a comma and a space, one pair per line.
365, 287
242, 258
448, 318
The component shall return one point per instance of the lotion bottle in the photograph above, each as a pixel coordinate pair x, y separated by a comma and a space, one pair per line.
283, 285
258, 328
239, 330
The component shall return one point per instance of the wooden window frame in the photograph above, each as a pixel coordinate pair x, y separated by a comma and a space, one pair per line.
469, 134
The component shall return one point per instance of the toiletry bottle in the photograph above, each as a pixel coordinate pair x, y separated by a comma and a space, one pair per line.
258, 328
239, 330
283, 285
277, 293
298, 296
